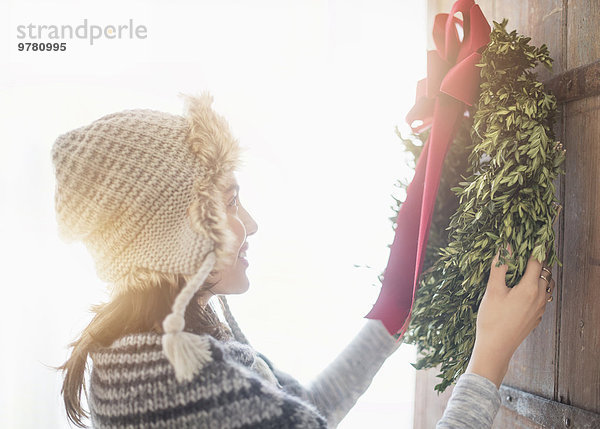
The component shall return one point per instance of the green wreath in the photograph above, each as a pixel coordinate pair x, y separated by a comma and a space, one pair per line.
496, 189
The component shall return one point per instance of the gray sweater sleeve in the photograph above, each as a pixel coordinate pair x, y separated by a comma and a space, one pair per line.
337, 388
474, 403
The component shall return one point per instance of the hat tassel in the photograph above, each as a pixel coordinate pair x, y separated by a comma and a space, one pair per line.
186, 351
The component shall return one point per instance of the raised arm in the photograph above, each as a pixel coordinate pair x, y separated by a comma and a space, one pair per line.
337, 388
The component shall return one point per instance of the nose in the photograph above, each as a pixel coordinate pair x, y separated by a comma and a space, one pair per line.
250, 224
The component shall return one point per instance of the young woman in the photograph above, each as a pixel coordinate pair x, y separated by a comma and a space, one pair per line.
155, 199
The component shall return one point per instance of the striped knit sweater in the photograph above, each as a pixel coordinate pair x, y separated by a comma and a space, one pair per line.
133, 385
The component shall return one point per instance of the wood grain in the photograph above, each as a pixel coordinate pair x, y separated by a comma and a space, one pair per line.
543, 21
576, 84
579, 362
583, 43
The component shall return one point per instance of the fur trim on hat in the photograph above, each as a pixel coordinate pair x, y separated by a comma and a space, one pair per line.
218, 153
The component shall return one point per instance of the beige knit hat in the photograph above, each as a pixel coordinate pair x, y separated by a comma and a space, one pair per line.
145, 189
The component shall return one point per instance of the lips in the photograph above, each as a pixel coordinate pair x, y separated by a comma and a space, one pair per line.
242, 253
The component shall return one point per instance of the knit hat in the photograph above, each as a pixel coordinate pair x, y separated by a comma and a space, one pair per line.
145, 189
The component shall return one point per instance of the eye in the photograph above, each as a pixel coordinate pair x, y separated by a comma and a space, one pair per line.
234, 202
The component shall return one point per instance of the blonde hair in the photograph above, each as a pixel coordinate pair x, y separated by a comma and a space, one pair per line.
143, 300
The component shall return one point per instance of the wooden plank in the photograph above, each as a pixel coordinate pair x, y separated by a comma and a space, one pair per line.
429, 405
558, 271
533, 366
576, 84
579, 363
543, 21
583, 43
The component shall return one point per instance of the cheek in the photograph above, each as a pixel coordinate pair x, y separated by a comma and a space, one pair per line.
238, 228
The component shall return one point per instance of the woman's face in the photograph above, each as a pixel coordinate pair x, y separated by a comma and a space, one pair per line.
233, 279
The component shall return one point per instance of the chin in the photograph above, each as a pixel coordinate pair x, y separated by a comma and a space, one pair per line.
243, 286
234, 281
236, 287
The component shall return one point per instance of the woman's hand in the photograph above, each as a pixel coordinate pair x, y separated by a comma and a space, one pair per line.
506, 316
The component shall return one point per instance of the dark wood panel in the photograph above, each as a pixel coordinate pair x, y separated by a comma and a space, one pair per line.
579, 362
577, 83
557, 271
583, 43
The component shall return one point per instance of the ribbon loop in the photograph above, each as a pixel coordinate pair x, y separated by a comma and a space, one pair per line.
452, 83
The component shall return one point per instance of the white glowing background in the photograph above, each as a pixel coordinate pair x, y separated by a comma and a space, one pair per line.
313, 89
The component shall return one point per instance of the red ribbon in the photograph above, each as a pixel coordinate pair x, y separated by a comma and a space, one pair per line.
452, 83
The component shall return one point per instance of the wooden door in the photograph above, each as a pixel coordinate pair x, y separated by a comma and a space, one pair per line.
553, 380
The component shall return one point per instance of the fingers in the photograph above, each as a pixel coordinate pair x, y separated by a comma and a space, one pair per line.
497, 273
537, 280
548, 284
545, 297
509, 248
532, 272
497, 278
